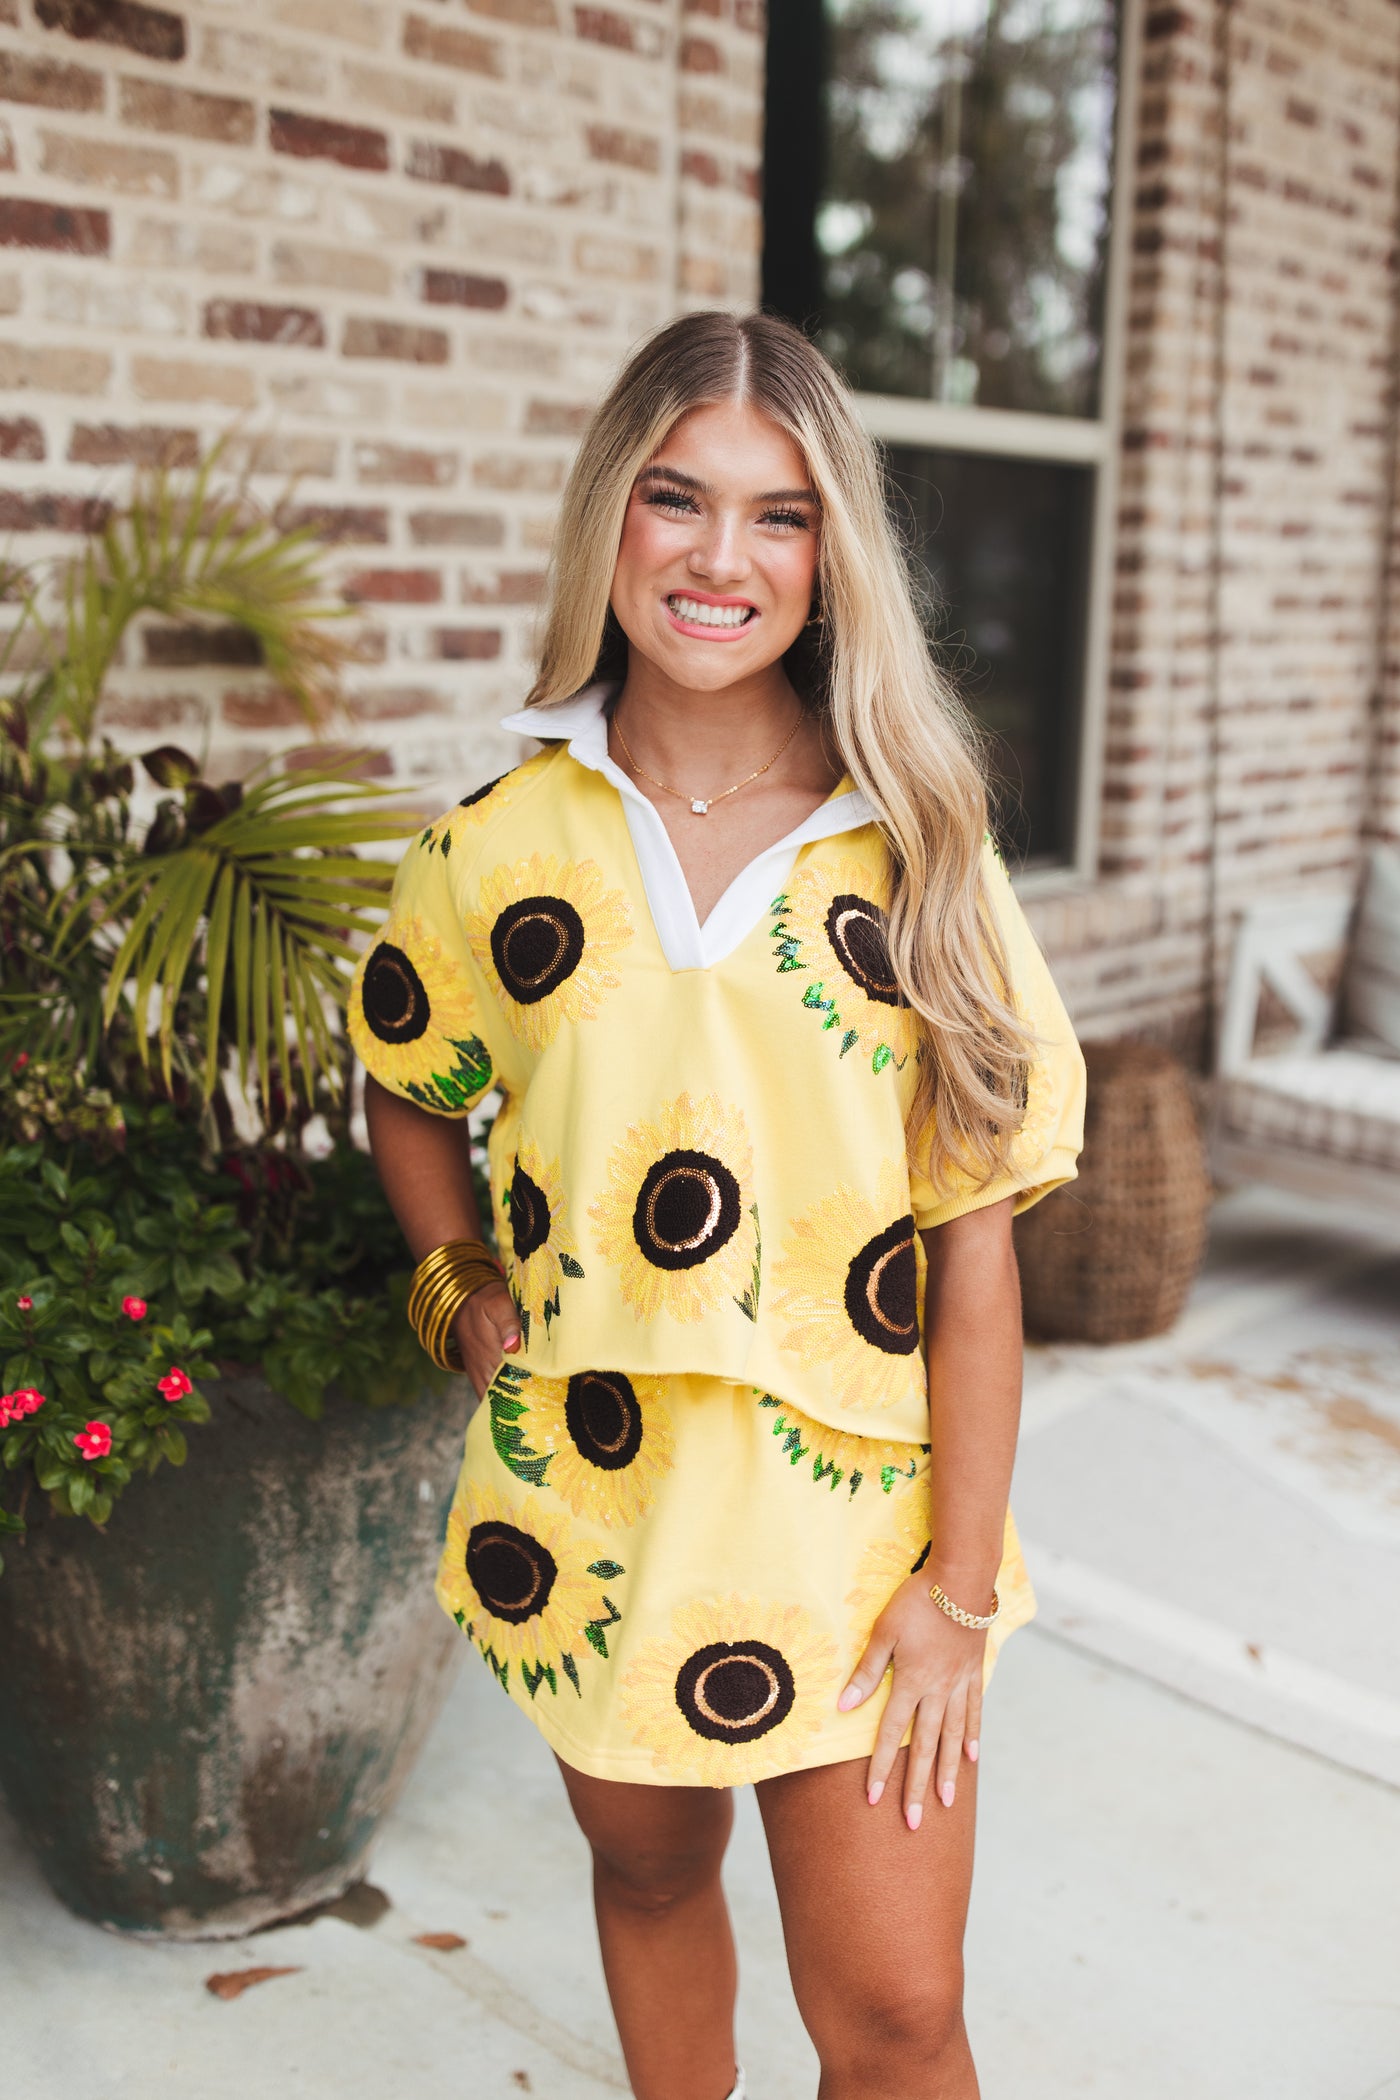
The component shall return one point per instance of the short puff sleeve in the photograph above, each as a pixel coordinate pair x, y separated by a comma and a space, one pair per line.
1046, 1148
417, 1015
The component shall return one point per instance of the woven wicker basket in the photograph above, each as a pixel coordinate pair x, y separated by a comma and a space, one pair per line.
1111, 1257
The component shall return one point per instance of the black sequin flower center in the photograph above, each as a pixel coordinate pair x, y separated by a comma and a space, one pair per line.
395, 1002
882, 1290
857, 931
529, 1214
536, 945
512, 1573
687, 1208
604, 1419
735, 1691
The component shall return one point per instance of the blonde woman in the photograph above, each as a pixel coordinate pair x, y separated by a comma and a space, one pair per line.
777, 1060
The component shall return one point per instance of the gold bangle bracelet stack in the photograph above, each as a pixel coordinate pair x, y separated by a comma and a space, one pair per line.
442, 1283
977, 1622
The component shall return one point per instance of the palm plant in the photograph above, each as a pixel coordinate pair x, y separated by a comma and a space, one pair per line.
165, 976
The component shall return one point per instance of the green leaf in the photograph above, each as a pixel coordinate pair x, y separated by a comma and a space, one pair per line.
606, 1570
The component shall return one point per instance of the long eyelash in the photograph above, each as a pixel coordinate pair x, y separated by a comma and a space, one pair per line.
669, 499
786, 517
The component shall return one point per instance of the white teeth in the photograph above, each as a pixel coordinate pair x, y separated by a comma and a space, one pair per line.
709, 615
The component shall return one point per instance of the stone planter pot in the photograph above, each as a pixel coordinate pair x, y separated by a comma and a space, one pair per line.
207, 1711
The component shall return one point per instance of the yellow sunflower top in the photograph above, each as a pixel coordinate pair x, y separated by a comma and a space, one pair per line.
699, 1162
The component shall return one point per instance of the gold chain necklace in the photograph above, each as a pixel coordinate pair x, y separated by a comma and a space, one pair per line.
702, 808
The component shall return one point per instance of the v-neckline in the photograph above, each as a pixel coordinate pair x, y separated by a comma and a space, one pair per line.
687, 942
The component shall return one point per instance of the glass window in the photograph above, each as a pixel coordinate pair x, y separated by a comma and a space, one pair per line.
937, 201
963, 225
1004, 545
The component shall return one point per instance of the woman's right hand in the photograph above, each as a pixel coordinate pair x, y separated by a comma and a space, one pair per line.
487, 1329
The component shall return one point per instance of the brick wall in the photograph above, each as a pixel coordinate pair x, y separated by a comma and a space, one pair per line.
400, 246
1246, 730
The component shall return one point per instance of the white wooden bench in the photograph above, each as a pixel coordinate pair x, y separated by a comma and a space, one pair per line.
1319, 1116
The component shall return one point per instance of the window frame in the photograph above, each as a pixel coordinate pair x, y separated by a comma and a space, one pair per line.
1093, 442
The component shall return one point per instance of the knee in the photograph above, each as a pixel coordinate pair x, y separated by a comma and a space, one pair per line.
910, 2022
653, 1883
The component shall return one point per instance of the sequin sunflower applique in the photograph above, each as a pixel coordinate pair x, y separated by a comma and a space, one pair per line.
480, 806
542, 1250
546, 933
827, 926
834, 1457
517, 1584
411, 1020
678, 1220
733, 1693
850, 1292
600, 1440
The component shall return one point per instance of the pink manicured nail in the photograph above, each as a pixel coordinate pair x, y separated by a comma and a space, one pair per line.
849, 1698
875, 1792
945, 1793
511, 1344
914, 1816
972, 1749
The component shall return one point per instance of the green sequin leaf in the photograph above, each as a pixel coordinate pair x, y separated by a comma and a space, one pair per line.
446, 844
543, 1673
569, 1265
606, 1570
593, 1634
570, 1669
883, 1056
849, 1040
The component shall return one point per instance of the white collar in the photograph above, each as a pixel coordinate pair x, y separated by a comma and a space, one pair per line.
581, 722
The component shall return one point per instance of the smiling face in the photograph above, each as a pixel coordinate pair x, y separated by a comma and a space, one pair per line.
717, 564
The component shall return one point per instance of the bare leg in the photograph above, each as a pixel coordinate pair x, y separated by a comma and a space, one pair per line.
668, 1952
873, 1916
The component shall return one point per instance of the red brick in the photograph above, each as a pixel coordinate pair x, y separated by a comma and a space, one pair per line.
534, 14
180, 648
49, 82
702, 167
27, 222
461, 288
261, 707
406, 464
349, 523
459, 645
428, 162
627, 149
417, 346
151, 32
442, 45
26, 511
255, 321
394, 587
557, 418
602, 25
395, 703
156, 106
456, 528
21, 438
323, 138
145, 444
700, 55
506, 587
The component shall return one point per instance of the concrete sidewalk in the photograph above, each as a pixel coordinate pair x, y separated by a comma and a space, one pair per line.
1170, 1903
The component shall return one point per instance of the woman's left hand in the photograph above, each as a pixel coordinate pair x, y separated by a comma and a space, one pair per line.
937, 1685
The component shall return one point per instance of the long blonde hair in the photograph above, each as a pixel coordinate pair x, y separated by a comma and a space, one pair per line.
885, 706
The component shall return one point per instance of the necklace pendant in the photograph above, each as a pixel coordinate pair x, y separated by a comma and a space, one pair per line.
701, 809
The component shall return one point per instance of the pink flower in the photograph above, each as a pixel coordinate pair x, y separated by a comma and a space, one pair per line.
25, 1304
15, 1406
174, 1385
134, 1308
95, 1441
21, 1059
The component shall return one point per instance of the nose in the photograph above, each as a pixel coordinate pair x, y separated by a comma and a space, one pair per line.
718, 554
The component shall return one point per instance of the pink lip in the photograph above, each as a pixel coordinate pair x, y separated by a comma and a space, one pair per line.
708, 634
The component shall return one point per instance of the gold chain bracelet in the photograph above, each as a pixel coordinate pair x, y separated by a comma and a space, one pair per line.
976, 1622
442, 1283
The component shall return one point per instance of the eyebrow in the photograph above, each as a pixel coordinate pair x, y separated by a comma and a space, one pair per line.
660, 472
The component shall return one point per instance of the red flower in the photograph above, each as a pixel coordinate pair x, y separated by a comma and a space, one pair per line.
25, 1304
21, 1059
95, 1441
174, 1385
15, 1406
134, 1308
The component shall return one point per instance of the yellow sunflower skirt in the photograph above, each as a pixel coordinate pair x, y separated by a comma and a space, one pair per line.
674, 1577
